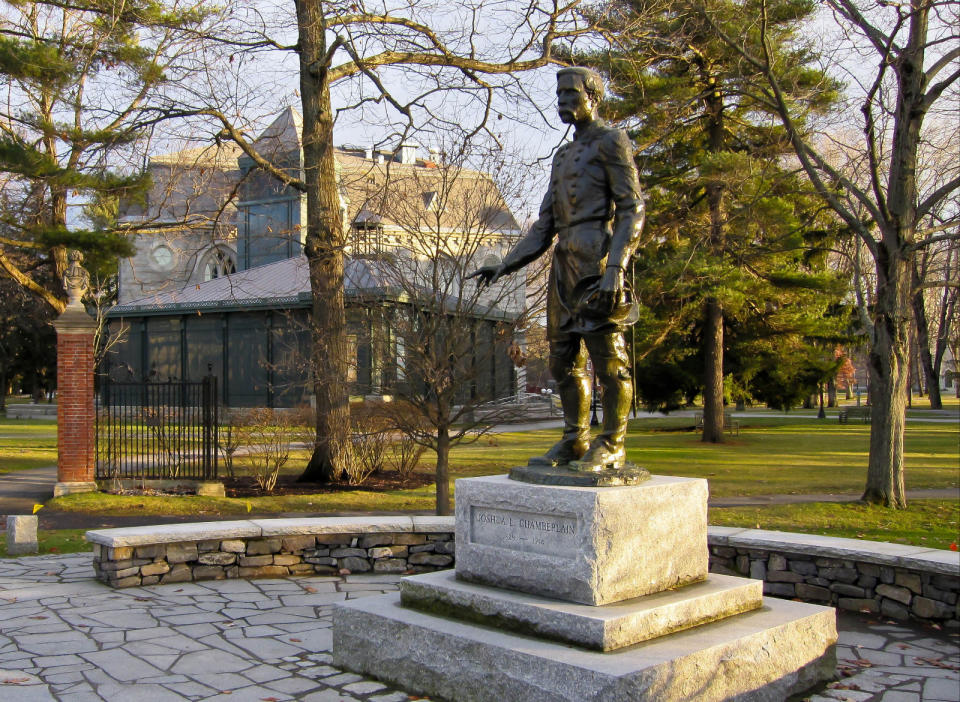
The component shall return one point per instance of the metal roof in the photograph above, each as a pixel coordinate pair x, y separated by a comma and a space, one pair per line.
284, 284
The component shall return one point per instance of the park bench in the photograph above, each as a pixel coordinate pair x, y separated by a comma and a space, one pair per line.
861, 413
731, 425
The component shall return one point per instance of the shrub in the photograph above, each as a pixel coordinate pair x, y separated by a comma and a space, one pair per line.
228, 438
265, 437
403, 455
370, 440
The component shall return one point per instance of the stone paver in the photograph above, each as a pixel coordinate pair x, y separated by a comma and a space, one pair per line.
879, 660
64, 636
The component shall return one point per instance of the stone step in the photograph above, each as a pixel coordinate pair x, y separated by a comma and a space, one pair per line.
764, 655
604, 628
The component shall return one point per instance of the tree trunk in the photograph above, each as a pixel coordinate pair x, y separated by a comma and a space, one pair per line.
713, 331
888, 369
713, 374
443, 472
890, 352
831, 393
323, 247
923, 343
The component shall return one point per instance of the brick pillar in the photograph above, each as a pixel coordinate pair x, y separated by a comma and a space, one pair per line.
76, 448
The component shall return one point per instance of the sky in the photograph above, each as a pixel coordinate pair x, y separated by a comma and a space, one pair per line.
254, 86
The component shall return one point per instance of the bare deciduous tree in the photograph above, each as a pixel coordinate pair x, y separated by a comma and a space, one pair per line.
449, 339
410, 62
913, 89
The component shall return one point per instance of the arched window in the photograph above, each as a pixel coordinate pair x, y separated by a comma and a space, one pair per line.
218, 263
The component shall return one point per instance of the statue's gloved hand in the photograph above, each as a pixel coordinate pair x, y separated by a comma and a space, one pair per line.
610, 290
487, 275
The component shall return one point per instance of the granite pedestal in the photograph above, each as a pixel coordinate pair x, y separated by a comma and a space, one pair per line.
592, 545
578, 593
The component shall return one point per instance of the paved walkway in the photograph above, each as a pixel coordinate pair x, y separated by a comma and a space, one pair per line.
22, 489
65, 636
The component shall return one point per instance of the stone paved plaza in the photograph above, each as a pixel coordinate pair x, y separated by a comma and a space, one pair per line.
65, 636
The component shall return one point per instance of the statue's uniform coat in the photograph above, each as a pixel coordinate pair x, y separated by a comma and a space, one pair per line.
594, 209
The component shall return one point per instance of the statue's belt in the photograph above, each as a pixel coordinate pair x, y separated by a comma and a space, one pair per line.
586, 220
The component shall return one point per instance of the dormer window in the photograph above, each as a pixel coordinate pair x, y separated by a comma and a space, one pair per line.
366, 219
218, 264
430, 200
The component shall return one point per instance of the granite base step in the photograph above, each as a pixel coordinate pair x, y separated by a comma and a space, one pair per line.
604, 628
765, 655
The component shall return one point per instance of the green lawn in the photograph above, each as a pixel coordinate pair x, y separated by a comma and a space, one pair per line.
27, 444
59, 541
933, 523
773, 454
346, 501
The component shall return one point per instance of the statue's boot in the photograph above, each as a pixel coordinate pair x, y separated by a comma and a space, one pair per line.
606, 451
561, 453
599, 457
576, 426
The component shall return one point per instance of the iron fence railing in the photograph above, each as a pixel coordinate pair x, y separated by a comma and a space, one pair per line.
157, 430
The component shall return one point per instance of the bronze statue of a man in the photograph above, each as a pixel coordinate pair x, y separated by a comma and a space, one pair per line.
594, 209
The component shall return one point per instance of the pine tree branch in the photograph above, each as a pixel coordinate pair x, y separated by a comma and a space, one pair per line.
813, 162
29, 284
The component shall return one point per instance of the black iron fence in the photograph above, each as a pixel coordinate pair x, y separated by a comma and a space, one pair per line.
157, 430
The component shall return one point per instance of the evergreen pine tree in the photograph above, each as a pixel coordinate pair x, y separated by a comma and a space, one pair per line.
736, 247
84, 83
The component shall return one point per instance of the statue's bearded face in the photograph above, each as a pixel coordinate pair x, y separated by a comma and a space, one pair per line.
574, 104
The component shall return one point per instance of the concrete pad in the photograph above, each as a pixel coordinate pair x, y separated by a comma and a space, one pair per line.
603, 628
592, 545
71, 488
762, 656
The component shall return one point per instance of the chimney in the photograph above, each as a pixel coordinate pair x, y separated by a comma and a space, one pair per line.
408, 153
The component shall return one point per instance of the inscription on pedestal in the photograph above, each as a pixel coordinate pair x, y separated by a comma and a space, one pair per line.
548, 534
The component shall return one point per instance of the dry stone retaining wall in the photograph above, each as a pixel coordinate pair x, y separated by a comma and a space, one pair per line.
270, 548
893, 580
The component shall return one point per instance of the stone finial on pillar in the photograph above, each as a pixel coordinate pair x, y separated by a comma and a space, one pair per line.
76, 412
76, 280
